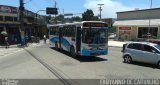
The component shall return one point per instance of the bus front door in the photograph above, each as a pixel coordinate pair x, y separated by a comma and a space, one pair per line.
78, 40
60, 38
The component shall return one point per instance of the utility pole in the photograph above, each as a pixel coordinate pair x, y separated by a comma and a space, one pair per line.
100, 10
55, 14
149, 34
63, 17
21, 19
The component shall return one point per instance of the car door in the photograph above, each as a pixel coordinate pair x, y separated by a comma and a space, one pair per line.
149, 54
135, 51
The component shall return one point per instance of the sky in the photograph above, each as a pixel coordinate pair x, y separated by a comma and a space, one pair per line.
77, 7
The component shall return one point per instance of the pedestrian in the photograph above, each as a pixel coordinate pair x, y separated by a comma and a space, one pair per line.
26, 40
44, 38
32, 39
6, 42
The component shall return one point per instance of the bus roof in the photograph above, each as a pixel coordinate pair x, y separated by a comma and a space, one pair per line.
77, 23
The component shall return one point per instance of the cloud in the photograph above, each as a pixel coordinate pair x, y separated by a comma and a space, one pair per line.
110, 7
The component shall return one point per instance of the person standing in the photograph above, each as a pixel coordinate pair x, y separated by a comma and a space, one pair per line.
44, 38
6, 42
26, 40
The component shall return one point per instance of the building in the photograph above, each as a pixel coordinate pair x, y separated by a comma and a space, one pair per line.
110, 22
9, 22
138, 24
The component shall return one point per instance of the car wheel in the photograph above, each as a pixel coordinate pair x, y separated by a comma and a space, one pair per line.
127, 59
56, 46
72, 52
158, 65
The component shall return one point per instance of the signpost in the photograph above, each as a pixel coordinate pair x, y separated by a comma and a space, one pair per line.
50, 10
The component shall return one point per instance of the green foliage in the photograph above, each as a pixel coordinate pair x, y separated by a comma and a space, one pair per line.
89, 16
113, 29
77, 19
60, 18
95, 18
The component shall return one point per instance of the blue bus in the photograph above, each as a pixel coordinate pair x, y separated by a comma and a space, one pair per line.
87, 38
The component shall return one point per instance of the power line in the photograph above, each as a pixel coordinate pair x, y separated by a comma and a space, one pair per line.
30, 9
50, 2
35, 6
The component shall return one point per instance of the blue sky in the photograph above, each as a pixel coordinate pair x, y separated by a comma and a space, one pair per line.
79, 6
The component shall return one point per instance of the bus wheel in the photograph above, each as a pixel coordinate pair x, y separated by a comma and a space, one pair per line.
56, 46
72, 52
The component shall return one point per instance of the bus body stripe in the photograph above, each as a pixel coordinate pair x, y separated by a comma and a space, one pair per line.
64, 42
86, 52
54, 39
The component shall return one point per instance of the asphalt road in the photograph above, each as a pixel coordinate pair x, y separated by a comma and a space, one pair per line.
47, 63
108, 66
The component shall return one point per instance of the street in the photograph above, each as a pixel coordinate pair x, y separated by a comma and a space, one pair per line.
39, 62
33, 34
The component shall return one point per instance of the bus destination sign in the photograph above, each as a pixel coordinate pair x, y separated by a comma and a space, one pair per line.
94, 24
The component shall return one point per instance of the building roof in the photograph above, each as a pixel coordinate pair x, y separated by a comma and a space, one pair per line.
140, 10
137, 22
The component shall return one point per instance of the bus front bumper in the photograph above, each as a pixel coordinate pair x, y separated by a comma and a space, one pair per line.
94, 52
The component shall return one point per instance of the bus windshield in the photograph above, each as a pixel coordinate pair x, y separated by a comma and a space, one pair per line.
94, 36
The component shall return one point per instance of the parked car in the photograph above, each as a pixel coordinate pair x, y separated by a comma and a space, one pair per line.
112, 36
145, 52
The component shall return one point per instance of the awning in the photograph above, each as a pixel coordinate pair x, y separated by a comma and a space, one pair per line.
137, 22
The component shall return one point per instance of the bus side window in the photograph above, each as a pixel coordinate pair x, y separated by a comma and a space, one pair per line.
64, 31
73, 33
56, 31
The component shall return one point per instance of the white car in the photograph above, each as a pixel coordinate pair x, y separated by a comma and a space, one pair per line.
142, 52
112, 36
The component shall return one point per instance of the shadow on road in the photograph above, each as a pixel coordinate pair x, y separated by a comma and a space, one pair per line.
82, 58
144, 65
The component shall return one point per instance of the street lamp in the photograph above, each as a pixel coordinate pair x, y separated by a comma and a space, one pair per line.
100, 10
37, 19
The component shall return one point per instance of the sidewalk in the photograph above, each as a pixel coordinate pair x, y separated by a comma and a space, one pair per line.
119, 44
14, 48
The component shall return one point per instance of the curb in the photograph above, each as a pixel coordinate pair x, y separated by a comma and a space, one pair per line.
115, 46
11, 46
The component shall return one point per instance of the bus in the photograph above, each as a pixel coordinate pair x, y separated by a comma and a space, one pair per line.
86, 38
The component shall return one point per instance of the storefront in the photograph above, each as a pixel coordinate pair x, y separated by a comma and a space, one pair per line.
9, 22
138, 24
125, 33
13, 34
1, 36
137, 29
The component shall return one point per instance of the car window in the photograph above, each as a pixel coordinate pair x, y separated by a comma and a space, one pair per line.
149, 48
136, 46
130, 46
158, 47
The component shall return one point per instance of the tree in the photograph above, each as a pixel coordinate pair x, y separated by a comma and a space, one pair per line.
95, 18
57, 19
89, 16
77, 18
60, 18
